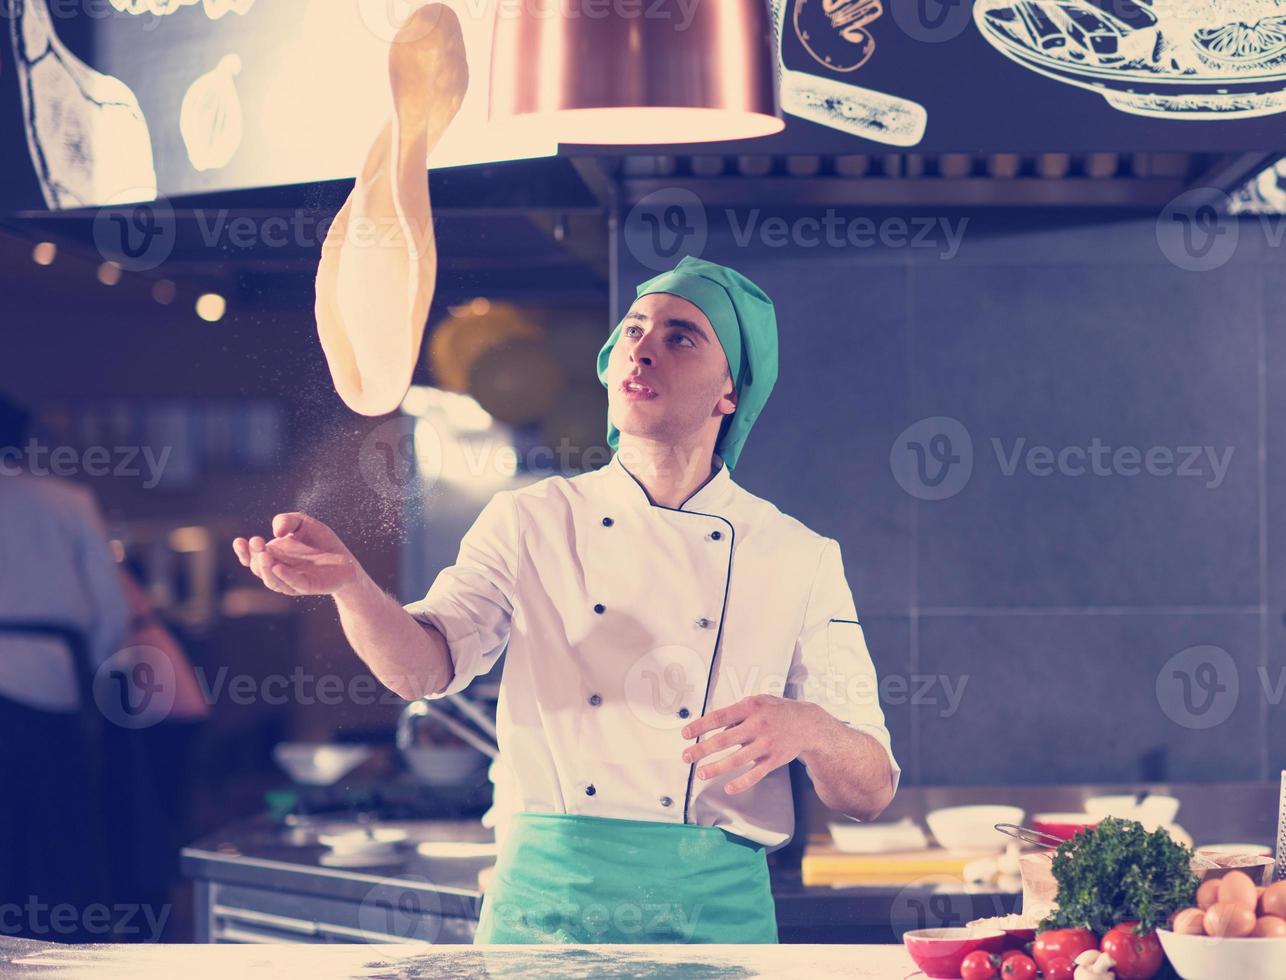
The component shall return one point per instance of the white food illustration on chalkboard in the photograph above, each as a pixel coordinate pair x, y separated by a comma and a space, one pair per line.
88, 137
214, 9
211, 120
834, 33
1175, 59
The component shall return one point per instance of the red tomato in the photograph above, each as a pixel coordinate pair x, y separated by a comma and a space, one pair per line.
978, 965
1061, 944
1060, 968
1020, 967
1137, 957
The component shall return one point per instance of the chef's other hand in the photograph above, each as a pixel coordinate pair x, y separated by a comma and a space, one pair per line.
304, 557
766, 731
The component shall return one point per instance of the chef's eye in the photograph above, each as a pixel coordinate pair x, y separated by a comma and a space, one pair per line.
683, 337
628, 329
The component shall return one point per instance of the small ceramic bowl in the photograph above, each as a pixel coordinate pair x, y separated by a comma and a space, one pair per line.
1215, 958
1064, 826
940, 952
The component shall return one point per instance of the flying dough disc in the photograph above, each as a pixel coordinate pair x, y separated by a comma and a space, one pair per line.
379, 262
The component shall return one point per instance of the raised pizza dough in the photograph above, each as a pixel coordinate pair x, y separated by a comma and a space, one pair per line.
379, 261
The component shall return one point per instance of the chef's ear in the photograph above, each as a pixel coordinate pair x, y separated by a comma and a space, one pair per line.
730, 396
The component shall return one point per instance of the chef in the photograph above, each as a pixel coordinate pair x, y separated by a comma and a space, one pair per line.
673, 642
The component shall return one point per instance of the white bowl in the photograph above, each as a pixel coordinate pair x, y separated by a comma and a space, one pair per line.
972, 829
1259, 850
1154, 812
319, 764
443, 765
877, 838
1213, 958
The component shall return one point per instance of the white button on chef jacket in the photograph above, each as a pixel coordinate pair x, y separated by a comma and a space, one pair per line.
624, 621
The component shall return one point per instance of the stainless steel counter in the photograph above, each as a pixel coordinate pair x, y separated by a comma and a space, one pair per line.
256, 882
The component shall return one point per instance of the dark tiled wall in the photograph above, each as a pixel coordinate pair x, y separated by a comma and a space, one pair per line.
1033, 628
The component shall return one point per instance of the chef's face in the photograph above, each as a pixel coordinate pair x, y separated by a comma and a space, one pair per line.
668, 347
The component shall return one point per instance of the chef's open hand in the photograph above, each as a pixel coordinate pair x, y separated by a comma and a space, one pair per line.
763, 731
303, 557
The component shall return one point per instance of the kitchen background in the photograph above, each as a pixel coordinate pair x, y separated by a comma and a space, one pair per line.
1037, 396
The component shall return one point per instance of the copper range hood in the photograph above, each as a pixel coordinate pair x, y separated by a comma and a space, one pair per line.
635, 71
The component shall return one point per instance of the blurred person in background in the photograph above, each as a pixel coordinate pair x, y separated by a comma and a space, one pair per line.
66, 609
60, 601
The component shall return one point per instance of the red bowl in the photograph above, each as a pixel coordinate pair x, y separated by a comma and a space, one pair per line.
940, 952
1064, 826
1019, 938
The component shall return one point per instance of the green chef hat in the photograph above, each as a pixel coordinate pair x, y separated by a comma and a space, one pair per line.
744, 321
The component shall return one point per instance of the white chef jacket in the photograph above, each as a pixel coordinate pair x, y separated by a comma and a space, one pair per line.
624, 620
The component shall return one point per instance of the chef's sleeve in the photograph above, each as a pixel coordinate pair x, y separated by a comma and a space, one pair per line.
471, 602
831, 665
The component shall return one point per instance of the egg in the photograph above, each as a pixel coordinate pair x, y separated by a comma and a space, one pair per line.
1274, 900
1227, 919
1238, 888
1190, 922
1208, 893
1270, 927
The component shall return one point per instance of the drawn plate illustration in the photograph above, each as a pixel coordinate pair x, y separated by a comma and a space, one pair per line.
1172, 59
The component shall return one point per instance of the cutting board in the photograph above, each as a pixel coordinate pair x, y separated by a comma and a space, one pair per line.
825, 864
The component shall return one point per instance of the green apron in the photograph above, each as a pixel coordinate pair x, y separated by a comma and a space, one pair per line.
564, 878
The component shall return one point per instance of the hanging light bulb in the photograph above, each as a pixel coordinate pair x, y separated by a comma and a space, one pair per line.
210, 307
706, 75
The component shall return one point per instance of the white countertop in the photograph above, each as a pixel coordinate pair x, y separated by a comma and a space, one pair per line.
699, 962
